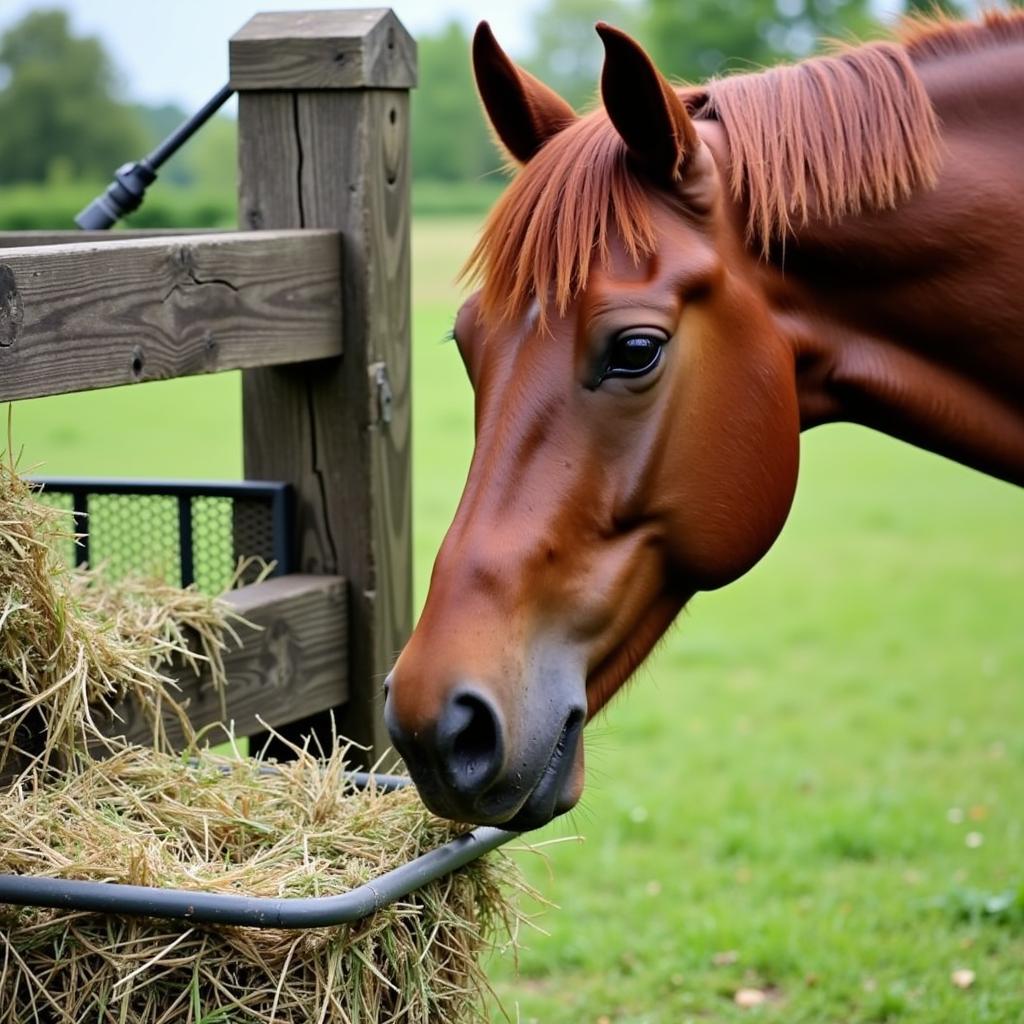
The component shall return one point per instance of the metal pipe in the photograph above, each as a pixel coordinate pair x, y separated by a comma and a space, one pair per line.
252, 911
185, 131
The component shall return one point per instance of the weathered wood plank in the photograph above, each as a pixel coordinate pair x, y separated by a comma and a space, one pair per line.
97, 314
340, 159
19, 239
323, 50
294, 665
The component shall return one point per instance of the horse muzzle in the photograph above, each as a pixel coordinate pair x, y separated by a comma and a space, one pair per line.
471, 764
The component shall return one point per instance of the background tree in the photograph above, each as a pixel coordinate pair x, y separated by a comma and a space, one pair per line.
450, 138
58, 113
699, 38
567, 53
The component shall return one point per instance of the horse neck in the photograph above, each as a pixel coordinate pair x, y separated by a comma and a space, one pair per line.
911, 320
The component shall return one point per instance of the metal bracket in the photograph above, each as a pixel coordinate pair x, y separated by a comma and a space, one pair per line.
385, 397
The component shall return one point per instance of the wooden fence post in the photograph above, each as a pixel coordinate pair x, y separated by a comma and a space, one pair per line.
323, 125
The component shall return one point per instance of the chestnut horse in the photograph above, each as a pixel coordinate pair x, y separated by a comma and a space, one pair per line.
673, 287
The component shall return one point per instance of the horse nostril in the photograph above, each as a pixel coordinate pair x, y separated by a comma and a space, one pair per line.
470, 742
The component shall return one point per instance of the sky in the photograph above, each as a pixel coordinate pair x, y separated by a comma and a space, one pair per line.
177, 51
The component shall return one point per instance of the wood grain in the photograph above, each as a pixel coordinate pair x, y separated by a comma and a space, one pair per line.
290, 667
339, 159
351, 49
90, 315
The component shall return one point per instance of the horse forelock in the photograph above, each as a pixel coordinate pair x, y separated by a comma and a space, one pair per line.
556, 217
828, 137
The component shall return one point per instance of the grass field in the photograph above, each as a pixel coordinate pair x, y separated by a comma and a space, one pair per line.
816, 787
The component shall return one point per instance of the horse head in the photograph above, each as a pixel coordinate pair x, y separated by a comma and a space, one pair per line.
636, 436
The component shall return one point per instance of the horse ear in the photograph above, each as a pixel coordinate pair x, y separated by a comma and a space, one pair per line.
525, 113
644, 108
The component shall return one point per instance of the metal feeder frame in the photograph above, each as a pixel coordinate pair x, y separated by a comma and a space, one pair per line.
259, 911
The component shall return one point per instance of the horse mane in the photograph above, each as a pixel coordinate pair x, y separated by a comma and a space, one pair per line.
830, 136
938, 35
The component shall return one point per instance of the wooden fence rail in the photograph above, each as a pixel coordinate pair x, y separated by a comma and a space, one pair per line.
86, 315
293, 660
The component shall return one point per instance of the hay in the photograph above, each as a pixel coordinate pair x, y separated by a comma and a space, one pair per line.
73, 645
219, 825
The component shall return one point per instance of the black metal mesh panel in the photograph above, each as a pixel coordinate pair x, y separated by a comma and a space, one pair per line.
253, 532
135, 533
213, 555
182, 532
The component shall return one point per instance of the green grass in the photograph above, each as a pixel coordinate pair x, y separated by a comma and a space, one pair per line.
777, 785
456, 199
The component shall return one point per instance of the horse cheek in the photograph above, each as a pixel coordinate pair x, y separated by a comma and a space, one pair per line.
735, 483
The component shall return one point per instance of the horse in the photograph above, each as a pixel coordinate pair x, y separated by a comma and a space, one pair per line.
671, 288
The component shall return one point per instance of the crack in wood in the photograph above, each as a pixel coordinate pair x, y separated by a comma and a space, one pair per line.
194, 280
301, 156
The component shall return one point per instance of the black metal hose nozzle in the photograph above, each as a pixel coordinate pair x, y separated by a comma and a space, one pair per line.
126, 192
122, 196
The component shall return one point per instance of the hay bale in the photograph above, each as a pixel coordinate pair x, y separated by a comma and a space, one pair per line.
218, 824
73, 645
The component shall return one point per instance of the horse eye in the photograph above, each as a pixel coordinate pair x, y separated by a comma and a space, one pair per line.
633, 355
